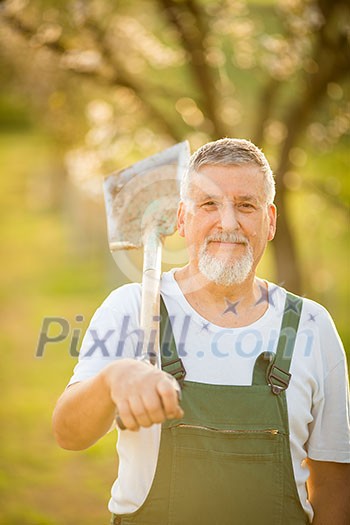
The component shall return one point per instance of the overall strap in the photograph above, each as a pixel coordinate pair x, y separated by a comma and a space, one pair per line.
278, 375
274, 368
170, 359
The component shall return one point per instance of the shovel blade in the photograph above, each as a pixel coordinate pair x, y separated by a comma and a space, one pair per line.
144, 197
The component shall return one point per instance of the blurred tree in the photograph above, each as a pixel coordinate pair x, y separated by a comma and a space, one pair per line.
160, 71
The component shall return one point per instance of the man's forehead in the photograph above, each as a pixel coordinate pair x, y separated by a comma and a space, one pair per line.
219, 180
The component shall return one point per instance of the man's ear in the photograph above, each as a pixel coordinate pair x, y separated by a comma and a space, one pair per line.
181, 219
272, 212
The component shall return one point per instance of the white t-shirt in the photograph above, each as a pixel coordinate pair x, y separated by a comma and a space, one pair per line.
317, 396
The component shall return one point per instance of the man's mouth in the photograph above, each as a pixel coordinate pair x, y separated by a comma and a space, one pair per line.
225, 247
227, 240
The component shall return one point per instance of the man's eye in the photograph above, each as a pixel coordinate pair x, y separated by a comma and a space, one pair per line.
247, 206
209, 204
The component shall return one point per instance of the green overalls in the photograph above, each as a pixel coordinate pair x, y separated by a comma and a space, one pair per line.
228, 460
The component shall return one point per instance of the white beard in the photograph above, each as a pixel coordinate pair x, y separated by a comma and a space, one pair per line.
221, 271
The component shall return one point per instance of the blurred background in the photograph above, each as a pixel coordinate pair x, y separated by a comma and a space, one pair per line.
88, 87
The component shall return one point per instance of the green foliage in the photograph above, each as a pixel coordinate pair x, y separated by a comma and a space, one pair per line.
14, 114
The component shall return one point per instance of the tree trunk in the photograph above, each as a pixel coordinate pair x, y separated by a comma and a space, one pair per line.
286, 256
332, 56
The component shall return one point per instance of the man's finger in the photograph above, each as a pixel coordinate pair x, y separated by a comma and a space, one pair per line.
154, 406
139, 411
168, 391
126, 417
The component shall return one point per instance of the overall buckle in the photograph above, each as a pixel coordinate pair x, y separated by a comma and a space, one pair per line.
176, 369
278, 379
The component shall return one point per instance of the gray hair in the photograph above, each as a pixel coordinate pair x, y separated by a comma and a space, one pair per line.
227, 152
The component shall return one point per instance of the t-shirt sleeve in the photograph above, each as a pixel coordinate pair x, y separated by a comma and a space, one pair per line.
113, 333
329, 432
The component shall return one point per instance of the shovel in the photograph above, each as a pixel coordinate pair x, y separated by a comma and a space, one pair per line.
141, 203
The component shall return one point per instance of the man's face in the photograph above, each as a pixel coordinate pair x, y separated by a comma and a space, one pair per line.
226, 221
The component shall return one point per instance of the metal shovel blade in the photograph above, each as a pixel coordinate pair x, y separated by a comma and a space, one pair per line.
144, 197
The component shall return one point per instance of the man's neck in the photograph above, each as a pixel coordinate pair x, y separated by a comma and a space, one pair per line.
227, 306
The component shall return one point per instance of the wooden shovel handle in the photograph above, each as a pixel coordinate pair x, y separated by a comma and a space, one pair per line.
149, 316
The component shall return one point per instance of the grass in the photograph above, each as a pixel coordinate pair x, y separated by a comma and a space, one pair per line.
41, 484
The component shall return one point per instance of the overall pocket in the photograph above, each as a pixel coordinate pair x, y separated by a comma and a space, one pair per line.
218, 475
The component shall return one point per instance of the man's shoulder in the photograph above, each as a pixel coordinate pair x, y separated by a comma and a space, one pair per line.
316, 317
313, 314
313, 306
125, 295
309, 305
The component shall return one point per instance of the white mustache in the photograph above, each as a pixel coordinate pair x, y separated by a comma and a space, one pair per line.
227, 237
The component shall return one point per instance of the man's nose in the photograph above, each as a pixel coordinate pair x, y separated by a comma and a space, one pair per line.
228, 217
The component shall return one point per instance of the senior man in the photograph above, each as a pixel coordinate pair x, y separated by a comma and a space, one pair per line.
261, 432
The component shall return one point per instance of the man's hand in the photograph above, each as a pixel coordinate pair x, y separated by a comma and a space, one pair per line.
143, 394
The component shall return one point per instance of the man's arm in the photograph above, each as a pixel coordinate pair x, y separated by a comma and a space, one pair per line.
329, 492
140, 393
